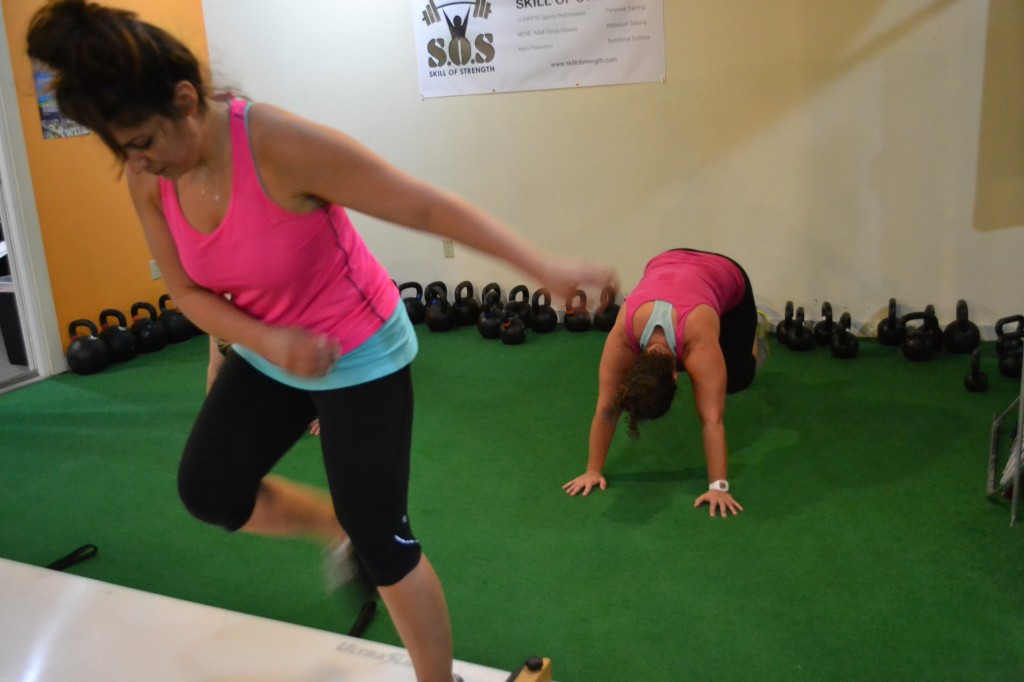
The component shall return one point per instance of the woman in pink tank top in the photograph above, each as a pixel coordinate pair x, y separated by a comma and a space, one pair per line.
691, 311
247, 200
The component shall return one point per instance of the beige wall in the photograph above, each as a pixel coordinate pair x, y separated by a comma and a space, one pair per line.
831, 147
95, 252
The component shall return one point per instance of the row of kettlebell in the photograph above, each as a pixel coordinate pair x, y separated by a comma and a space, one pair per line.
507, 319
918, 334
926, 336
797, 334
93, 350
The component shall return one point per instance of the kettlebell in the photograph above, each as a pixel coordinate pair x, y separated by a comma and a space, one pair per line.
513, 330
577, 317
491, 315
782, 330
519, 304
825, 328
86, 354
917, 343
545, 319
890, 332
931, 325
174, 323
498, 303
467, 308
414, 306
961, 335
1007, 344
1010, 361
975, 380
435, 285
843, 344
121, 342
608, 310
800, 337
147, 330
440, 315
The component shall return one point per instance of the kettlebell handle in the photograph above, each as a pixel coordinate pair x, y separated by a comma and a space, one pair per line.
922, 316
107, 313
1003, 322
142, 305
582, 296
75, 324
462, 287
538, 295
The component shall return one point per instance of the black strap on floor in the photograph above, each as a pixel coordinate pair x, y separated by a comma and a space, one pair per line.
78, 556
365, 617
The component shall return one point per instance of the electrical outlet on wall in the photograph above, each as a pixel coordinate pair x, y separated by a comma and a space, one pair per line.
154, 270
449, 248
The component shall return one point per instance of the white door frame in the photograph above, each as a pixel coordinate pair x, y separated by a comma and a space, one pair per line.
33, 295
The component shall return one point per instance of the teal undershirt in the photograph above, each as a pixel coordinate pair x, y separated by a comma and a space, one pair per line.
661, 316
391, 348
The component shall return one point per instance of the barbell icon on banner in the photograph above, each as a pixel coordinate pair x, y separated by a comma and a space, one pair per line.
481, 9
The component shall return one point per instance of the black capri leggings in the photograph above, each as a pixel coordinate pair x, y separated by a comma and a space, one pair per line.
249, 421
738, 326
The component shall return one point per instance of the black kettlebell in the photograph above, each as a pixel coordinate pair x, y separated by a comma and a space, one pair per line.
843, 344
121, 342
607, 310
890, 332
497, 301
545, 319
577, 317
435, 285
513, 330
147, 330
467, 308
824, 328
917, 341
86, 354
414, 306
440, 315
932, 326
173, 321
800, 337
1010, 361
975, 380
492, 316
519, 304
961, 335
782, 330
1007, 344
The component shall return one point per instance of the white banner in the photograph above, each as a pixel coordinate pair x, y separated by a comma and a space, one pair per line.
475, 47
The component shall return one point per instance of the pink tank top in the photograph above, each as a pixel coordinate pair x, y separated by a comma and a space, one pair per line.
309, 270
685, 279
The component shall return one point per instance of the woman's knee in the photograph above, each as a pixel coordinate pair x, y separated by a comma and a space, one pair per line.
389, 552
213, 498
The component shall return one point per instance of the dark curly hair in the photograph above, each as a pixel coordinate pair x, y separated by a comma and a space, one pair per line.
648, 389
110, 68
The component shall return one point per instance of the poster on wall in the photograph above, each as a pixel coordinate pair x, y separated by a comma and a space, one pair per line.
54, 124
475, 47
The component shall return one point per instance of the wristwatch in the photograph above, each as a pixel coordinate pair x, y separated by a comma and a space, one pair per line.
721, 485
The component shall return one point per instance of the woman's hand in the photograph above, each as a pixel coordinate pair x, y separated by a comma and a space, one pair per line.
563, 276
716, 499
300, 352
585, 483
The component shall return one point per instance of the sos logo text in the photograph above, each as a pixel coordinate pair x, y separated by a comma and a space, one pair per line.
459, 51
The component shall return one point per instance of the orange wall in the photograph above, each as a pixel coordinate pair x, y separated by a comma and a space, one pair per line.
95, 251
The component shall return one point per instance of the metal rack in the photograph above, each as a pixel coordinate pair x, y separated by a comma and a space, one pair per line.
993, 489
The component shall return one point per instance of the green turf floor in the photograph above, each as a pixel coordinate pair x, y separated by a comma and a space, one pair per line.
867, 551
